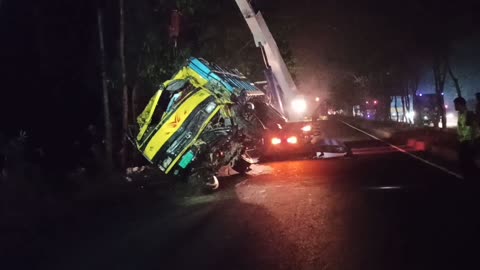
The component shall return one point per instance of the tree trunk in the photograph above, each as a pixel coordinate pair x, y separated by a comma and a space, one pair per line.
396, 109
133, 104
134, 155
388, 109
414, 94
407, 104
124, 152
454, 79
404, 118
440, 73
106, 102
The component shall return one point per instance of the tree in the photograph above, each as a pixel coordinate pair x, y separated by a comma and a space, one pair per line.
397, 116
123, 151
411, 88
439, 74
149, 56
454, 79
106, 102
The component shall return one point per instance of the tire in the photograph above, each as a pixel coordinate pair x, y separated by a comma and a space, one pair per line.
241, 166
202, 182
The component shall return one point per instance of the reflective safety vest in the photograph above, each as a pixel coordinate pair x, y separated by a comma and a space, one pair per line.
467, 127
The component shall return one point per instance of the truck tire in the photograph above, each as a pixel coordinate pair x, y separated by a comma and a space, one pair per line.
241, 166
202, 182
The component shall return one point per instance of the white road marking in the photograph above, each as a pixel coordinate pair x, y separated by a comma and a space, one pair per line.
408, 153
385, 188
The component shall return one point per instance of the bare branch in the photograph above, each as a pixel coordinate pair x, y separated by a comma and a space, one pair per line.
454, 79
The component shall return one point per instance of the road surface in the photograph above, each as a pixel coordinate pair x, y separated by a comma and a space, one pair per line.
381, 209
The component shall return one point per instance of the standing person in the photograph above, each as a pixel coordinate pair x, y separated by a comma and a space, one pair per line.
467, 134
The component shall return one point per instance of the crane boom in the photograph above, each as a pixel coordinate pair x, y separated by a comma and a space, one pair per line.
273, 59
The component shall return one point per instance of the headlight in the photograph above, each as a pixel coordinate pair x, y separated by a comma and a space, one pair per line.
276, 141
307, 128
299, 105
292, 140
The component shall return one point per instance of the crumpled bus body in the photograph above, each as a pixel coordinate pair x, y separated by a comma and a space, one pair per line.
196, 122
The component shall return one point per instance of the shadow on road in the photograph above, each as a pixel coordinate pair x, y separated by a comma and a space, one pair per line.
213, 231
416, 229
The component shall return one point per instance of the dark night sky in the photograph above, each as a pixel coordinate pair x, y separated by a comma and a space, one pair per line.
48, 61
329, 30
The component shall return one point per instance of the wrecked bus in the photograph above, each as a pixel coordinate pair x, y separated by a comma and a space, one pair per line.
197, 122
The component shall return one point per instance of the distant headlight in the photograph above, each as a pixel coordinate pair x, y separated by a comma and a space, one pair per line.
292, 140
307, 128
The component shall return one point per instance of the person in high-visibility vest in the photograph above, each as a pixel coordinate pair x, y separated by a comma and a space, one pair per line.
468, 137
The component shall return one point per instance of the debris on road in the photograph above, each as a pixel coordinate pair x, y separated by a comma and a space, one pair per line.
258, 169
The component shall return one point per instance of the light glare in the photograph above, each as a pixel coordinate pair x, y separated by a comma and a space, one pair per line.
276, 141
299, 105
292, 140
307, 128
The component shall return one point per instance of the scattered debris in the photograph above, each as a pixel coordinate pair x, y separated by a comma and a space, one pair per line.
135, 170
257, 169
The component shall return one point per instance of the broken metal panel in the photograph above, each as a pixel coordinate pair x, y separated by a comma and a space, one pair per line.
145, 118
228, 79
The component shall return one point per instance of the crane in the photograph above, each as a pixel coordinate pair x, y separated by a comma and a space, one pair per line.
281, 86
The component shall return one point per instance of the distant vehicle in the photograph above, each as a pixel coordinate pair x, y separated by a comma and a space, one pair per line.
367, 109
426, 110
322, 111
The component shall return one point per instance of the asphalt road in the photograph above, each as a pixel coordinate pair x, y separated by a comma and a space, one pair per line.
381, 209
